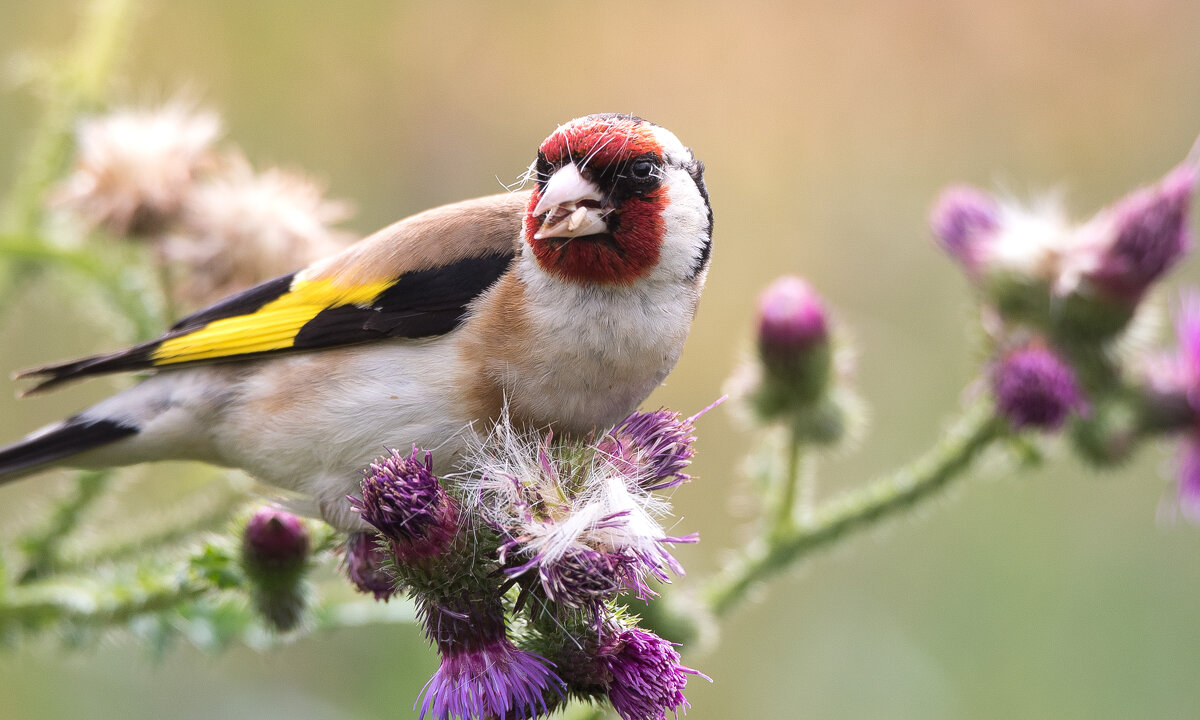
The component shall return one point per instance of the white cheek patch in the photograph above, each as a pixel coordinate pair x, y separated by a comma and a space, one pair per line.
686, 219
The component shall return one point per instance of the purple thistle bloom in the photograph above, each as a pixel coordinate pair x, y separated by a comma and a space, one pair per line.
964, 218
482, 674
647, 678
582, 577
402, 498
1150, 235
366, 566
1034, 388
498, 680
654, 447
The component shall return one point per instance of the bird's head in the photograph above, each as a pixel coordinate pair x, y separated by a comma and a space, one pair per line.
617, 199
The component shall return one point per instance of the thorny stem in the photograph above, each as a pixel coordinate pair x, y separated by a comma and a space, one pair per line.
860, 508
43, 544
76, 83
167, 535
807, 500
116, 283
48, 602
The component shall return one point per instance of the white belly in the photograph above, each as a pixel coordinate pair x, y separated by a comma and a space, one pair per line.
312, 422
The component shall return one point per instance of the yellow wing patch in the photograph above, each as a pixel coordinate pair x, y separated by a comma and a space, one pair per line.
272, 327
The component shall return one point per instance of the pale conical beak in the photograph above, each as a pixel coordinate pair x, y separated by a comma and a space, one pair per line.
573, 206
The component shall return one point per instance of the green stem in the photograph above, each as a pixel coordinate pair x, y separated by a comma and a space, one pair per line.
166, 290
125, 297
858, 509
158, 538
42, 545
41, 603
78, 83
784, 520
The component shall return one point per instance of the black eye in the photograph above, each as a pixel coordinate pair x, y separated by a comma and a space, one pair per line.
642, 169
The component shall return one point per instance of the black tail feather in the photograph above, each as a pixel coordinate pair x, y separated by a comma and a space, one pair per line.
135, 358
71, 436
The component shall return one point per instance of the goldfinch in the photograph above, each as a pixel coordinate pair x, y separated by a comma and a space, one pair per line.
563, 306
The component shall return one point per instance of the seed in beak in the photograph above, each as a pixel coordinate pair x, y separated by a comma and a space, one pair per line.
577, 218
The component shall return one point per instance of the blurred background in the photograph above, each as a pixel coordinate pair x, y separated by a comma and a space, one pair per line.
827, 130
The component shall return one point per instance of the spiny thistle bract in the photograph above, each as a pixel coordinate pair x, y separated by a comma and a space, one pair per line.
517, 564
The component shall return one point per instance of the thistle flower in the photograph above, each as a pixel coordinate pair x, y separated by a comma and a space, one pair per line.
1034, 388
647, 679
581, 577
609, 533
964, 220
275, 546
653, 447
403, 499
482, 674
567, 511
366, 566
135, 168
1142, 236
1079, 282
239, 228
1174, 398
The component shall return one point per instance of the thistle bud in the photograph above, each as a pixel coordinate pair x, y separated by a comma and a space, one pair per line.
1034, 388
275, 548
366, 566
793, 340
402, 498
1145, 234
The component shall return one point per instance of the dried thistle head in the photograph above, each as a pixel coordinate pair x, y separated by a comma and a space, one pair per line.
239, 228
135, 167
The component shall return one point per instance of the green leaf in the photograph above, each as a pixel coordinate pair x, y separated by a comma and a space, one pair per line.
217, 567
